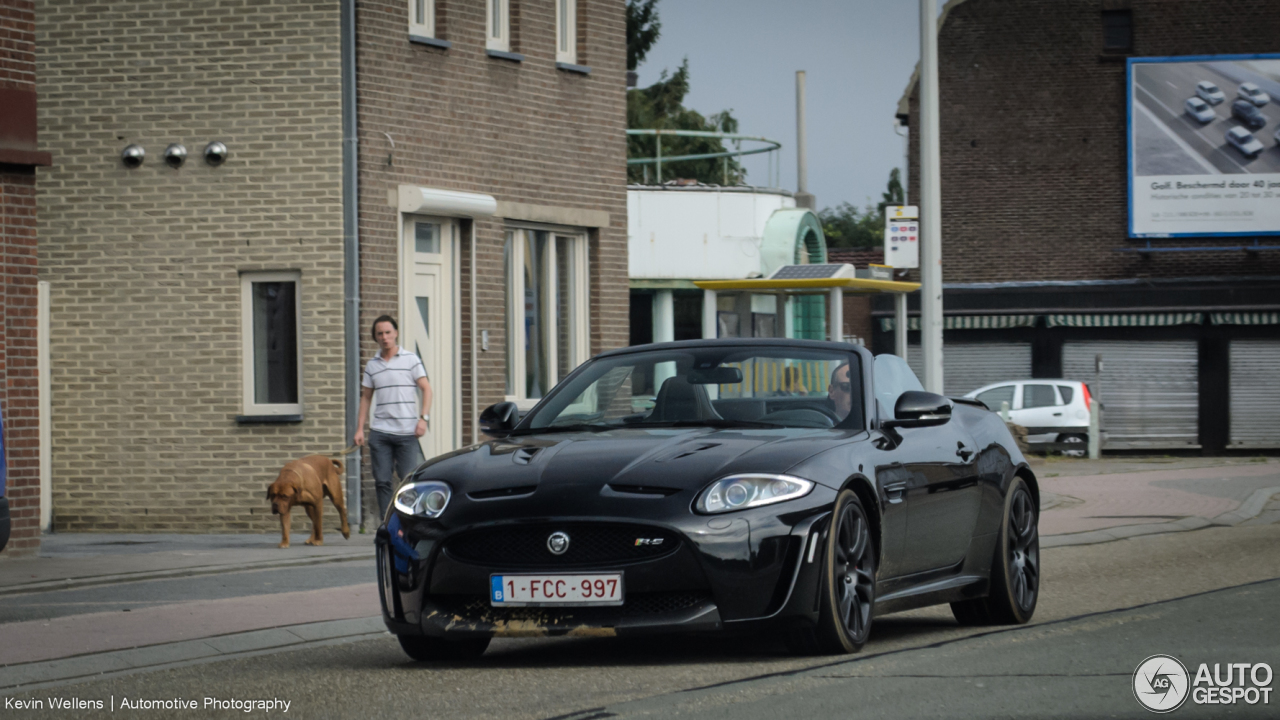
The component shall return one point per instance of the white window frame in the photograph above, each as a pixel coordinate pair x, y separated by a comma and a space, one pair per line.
426, 28
579, 310
247, 280
567, 31
497, 31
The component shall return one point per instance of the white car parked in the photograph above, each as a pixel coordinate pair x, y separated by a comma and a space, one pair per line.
1199, 110
1253, 94
1210, 92
1244, 141
1052, 411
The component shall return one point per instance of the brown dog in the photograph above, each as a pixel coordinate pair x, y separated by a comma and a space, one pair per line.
307, 482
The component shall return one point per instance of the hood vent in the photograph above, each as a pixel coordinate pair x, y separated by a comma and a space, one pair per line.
507, 492
651, 491
686, 452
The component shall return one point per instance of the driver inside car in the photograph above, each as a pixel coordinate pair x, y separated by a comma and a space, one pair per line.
840, 393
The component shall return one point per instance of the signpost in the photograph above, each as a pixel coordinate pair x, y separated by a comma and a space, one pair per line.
901, 250
902, 236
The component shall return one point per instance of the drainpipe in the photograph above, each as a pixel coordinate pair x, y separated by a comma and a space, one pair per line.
351, 255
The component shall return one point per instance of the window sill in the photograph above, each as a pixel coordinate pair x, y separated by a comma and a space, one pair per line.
433, 42
504, 55
267, 419
570, 67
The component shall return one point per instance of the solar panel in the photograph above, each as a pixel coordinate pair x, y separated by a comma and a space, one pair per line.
812, 272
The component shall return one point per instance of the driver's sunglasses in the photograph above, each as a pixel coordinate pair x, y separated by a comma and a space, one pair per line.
843, 387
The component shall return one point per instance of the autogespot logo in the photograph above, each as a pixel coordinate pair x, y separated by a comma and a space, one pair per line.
1160, 683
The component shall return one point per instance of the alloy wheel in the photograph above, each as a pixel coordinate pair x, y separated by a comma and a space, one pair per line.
1024, 551
854, 572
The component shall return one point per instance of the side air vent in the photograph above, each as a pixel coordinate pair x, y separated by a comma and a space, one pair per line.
507, 492
524, 455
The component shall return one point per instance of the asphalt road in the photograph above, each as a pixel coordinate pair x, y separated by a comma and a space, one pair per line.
1200, 148
1204, 596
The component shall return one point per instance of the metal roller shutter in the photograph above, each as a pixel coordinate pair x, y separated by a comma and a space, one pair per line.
1255, 393
969, 366
1150, 390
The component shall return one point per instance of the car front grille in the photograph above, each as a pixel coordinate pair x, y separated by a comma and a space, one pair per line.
526, 546
476, 607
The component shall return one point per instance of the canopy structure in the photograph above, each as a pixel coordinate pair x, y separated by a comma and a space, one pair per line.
803, 280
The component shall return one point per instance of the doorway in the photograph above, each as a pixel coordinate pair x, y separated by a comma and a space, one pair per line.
428, 298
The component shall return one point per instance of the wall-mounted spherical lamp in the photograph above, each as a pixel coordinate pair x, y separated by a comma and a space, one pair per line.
175, 155
132, 156
215, 153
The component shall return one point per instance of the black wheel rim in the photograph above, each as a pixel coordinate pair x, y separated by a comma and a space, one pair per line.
1024, 551
854, 572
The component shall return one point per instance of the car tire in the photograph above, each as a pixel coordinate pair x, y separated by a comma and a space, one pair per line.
1015, 571
847, 592
1078, 445
427, 649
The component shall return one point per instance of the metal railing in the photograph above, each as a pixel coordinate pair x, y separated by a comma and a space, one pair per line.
773, 173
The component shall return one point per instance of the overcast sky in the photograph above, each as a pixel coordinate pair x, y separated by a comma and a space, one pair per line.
857, 55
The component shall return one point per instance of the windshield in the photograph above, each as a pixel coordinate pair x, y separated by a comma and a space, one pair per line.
724, 386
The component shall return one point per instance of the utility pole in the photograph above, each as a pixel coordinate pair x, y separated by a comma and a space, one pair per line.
803, 198
930, 202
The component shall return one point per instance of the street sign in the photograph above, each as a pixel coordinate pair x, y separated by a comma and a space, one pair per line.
902, 236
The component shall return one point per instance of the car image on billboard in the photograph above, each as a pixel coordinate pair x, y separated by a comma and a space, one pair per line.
1195, 171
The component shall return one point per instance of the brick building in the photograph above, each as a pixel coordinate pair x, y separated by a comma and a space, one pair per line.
1041, 276
19, 157
209, 320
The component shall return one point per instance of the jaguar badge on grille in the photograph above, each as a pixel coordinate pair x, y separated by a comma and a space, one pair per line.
558, 543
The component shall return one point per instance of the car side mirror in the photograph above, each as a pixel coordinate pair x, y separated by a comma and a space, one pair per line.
916, 408
500, 419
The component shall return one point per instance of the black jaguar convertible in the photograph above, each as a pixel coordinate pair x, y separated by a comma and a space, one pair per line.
795, 486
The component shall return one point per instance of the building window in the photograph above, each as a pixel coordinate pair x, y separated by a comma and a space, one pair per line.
1117, 31
546, 309
422, 18
567, 31
498, 25
272, 362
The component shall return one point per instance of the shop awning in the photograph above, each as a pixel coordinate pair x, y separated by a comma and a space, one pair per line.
1124, 320
968, 322
1245, 318
803, 286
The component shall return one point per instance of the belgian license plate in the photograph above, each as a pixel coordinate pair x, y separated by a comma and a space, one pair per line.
556, 589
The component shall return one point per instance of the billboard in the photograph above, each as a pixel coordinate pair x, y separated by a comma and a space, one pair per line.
1204, 145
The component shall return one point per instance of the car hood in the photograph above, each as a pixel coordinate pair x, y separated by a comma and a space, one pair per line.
668, 460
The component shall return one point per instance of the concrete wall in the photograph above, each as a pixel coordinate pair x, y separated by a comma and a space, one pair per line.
145, 264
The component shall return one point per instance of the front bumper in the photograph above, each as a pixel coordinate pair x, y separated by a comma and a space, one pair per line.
724, 571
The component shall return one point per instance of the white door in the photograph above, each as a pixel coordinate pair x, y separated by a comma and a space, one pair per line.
427, 320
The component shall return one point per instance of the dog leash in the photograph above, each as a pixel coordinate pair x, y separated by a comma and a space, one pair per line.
349, 450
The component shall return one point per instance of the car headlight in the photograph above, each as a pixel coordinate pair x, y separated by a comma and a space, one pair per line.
424, 499
738, 492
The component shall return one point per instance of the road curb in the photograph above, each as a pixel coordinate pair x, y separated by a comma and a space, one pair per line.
46, 673
95, 580
1249, 509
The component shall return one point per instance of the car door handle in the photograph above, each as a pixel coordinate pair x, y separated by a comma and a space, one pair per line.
895, 492
1057, 414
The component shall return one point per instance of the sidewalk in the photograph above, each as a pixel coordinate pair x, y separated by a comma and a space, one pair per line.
83, 560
